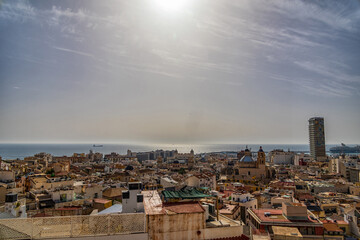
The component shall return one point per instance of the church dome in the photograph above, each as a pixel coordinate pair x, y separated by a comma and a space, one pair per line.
246, 159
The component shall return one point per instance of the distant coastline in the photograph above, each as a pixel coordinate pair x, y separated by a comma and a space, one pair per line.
13, 150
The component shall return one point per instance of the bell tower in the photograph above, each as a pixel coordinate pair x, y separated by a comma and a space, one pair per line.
261, 156
159, 162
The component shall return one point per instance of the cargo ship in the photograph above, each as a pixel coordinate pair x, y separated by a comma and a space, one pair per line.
345, 149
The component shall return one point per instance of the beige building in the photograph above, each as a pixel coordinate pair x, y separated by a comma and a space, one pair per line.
354, 190
286, 233
7, 176
184, 220
202, 180
249, 169
278, 200
231, 211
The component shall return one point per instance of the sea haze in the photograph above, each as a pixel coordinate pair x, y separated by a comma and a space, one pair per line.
13, 151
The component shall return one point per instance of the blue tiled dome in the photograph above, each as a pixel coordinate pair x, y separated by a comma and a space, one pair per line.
246, 159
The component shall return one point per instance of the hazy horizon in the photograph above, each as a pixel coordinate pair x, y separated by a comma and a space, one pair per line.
171, 144
178, 72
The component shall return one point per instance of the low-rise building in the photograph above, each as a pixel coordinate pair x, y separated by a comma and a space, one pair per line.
291, 215
231, 211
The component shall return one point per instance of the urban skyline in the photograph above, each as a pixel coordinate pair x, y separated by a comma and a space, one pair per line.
180, 119
189, 73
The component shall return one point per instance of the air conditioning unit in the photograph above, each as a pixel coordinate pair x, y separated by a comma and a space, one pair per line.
206, 207
211, 208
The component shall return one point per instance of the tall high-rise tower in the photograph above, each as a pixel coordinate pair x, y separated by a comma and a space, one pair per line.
317, 138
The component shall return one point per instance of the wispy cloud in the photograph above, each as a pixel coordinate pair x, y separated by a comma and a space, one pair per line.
342, 15
17, 11
228, 44
318, 87
326, 69
75, 52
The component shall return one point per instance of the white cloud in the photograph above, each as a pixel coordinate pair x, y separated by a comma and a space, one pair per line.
74, 52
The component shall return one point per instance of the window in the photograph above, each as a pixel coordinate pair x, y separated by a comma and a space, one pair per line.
63, 197
126, 195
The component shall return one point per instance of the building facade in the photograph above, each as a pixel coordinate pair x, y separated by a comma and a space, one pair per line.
317, 138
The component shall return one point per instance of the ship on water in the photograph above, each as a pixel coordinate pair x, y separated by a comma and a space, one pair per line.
345, 149
97, 145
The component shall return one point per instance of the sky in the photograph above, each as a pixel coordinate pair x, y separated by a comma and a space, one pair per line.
178, 71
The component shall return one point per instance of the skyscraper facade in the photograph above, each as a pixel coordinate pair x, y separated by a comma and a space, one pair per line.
317, 138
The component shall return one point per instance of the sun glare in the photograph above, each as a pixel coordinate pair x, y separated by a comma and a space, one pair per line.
171, 5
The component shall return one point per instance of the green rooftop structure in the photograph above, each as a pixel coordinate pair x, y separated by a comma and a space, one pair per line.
190, 194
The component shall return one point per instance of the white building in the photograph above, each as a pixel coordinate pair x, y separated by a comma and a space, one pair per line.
15, 207
278, 156
132, 199
245, 201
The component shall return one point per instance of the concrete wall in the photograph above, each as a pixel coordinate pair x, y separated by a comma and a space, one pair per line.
206, 233
176, 226
294, 211
138, 236
186, 226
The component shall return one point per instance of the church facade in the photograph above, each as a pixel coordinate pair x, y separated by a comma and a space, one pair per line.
246, 168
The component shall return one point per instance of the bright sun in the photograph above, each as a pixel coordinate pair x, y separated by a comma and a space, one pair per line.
171, 5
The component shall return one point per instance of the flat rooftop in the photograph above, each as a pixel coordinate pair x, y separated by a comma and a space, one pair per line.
286, 231
227, 209
276, 215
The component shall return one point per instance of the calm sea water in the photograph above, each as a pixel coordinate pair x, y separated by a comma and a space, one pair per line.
13, 151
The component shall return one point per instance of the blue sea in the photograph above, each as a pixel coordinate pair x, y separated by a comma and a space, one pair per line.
14, 151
